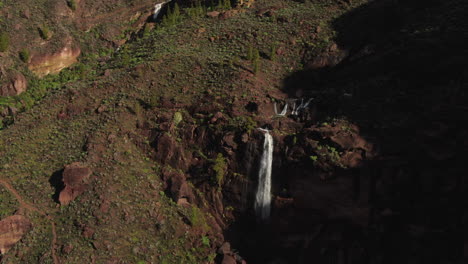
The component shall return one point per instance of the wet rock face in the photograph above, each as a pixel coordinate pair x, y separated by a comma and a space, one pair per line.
12, 230
15, 84
75, 178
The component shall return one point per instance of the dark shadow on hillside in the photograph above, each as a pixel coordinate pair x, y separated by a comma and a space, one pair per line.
57, 183
404, 84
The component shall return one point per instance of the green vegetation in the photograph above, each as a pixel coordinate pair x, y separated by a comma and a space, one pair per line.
72, 4
8, 205
220, 168
224, 4
197, 218
24, 55
172, 16
44, 32
196, 10
250, 53
205, 241
273, 52
256, 61
177, 118
4, 41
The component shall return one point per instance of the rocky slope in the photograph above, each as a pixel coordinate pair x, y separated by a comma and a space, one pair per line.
150, 153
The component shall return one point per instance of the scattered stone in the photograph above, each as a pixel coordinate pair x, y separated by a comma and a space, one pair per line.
26, 13
225, 248
229, 141
227, 259
67, 249
216, 117
213, 14
88, 232
101, 109
12, 230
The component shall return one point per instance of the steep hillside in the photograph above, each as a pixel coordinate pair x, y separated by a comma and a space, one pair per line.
145, 147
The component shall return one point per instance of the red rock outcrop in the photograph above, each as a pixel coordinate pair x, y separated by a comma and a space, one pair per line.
12, 230
15, 84
52, 63
75, 177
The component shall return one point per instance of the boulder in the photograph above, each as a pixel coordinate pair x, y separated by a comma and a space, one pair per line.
225, 248
213, 14
12, 230
176, 184
228, 259
46, 63
75, 178
15, 84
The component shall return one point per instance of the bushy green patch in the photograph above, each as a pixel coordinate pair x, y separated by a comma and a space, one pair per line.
197, 218
220, 168
72, 4
177, 118
44, 32
8, 204
4, 41
24, 55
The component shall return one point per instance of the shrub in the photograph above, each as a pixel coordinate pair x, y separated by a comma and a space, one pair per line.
196, 10
72, 4
205, 241
250, 53
4, 41
256, 61
220, 168
224, 4
146, 30
24, 55
197, 219
273, 52
177, 118
176, 12
44, 32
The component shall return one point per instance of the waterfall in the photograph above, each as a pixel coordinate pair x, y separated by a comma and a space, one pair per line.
263, 196
157, 9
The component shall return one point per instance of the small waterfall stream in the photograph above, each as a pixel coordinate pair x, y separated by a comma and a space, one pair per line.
263, 195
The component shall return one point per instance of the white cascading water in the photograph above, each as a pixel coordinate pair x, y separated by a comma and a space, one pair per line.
157, 9
263, 196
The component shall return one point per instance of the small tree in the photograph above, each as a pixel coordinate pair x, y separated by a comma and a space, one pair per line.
4, 41
24, 55
250, 53
72, 4
227, 4
256, 61
176, 12
273, 52
44, 32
